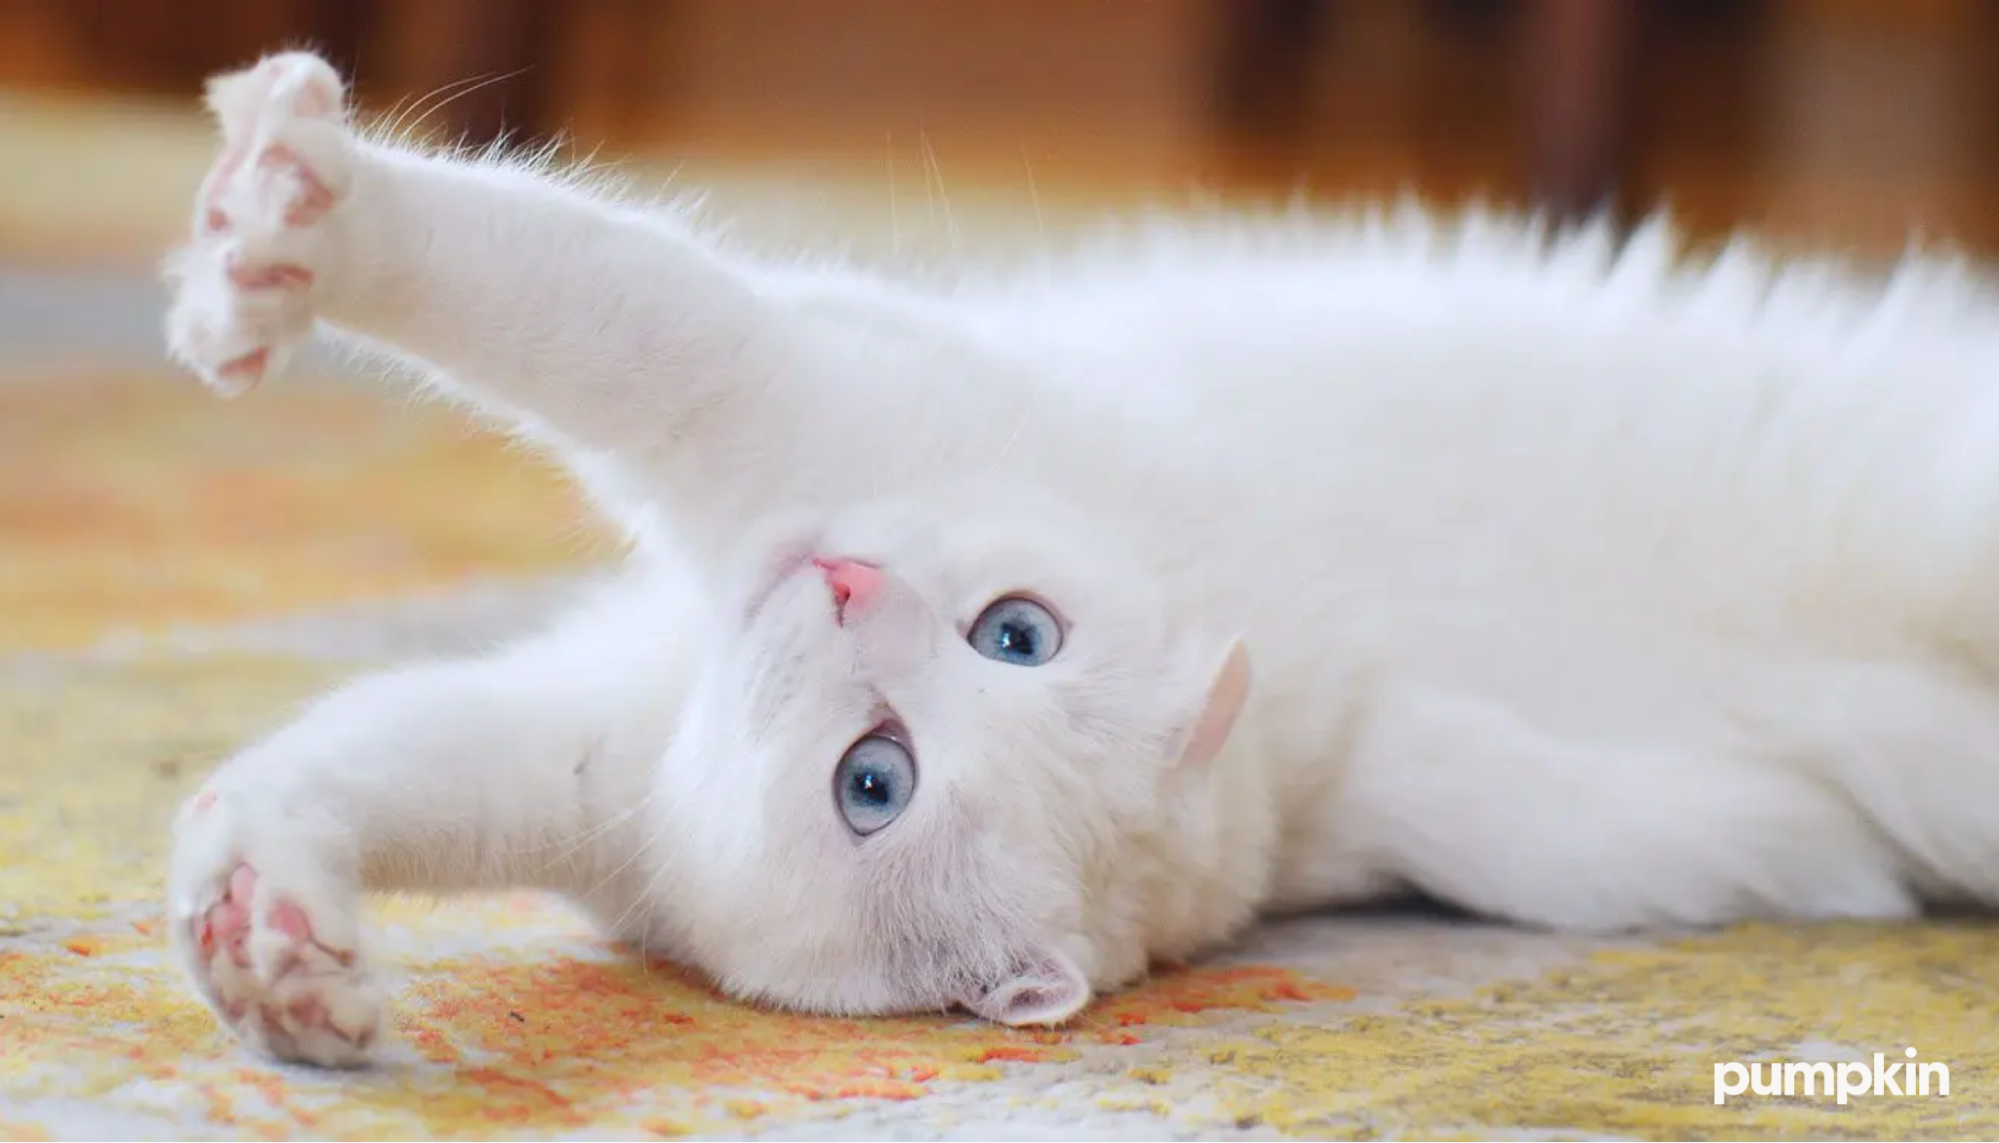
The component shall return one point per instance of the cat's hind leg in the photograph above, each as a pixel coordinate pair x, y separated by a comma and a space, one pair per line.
1481, 806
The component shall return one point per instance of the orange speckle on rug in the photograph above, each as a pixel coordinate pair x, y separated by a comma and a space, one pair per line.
562, 1040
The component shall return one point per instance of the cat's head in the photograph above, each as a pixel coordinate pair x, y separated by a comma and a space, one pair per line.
941, 761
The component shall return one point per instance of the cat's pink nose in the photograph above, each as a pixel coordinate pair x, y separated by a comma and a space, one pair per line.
854, 584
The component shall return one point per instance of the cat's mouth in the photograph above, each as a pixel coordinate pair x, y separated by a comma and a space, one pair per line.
774, 579
789, 560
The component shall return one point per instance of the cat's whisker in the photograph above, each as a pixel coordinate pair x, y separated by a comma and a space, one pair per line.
395, 131
645, 845
466, 90
575, 844
647, 895
936, 173
626, 864
894, 215
1013, 437
1033, 191
383, 124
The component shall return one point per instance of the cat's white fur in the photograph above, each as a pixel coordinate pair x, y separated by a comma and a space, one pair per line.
1582, 588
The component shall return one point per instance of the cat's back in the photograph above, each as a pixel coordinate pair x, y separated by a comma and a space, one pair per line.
1234, 307
1396, 394
1479, 339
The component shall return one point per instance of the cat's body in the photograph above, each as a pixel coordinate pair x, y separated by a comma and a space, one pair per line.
1580, 590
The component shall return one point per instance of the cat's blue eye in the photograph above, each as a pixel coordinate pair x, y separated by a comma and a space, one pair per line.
874, 782
1016, 630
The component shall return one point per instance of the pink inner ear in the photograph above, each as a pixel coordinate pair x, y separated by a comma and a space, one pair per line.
1225, 698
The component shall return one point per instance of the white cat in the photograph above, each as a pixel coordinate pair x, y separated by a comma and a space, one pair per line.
1583, 590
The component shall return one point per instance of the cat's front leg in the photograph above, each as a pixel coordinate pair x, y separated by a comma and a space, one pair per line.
441, 778
549, 305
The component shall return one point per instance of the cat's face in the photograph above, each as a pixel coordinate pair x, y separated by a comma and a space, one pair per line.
924, 769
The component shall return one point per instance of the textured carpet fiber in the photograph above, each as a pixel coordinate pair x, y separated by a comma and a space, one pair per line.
177, 573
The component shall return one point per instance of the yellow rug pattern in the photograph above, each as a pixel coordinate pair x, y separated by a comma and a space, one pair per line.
155, 544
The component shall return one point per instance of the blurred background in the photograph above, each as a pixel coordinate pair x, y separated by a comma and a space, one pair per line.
897, 129
1850, 122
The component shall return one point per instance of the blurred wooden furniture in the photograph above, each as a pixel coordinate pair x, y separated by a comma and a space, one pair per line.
1856, 117
134, 46
1579, 61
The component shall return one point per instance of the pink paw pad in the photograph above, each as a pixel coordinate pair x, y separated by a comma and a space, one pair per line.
275, 980
214, 219
278, 277
304, 195
310, 198
228, 922
291, 920
314, 100
248, 368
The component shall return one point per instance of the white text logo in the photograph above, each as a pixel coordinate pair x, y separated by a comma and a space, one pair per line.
1842, 1081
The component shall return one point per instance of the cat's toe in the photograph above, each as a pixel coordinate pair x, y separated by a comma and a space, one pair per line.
296, 83
233, 319
285, 137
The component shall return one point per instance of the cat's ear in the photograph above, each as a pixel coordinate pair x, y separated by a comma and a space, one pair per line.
1227, 691
1045, 987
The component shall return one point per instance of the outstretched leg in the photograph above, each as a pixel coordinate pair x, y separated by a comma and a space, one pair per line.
716, 389
605, 326
525, 770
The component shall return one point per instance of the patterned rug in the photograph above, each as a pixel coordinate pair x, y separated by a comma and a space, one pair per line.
178, 572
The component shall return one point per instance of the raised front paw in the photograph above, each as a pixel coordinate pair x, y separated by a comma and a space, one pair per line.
270, 938
246, 284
